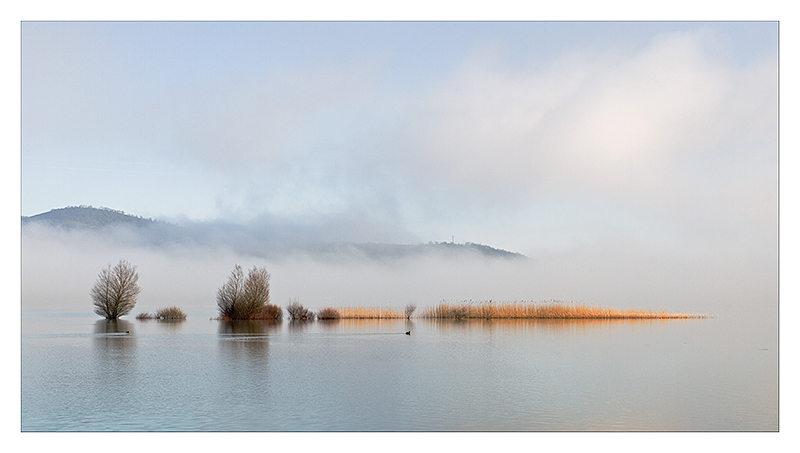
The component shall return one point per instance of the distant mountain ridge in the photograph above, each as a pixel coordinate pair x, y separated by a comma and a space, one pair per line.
252, 241
76, 217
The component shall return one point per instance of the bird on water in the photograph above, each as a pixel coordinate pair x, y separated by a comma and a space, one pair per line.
408, 333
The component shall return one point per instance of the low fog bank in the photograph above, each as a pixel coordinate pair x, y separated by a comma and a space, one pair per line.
59, 268
267, 237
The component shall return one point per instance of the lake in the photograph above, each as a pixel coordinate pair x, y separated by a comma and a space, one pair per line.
83, 373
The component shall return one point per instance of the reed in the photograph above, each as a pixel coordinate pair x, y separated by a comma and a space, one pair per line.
367, 313
541, 310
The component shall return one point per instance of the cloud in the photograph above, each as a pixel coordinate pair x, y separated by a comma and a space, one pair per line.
272, 119
603, 120
664, 131
660, 130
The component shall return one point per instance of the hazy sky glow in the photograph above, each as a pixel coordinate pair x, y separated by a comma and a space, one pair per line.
526, 136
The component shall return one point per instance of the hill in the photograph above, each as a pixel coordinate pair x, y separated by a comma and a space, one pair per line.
261, 241
446, 248
86, 217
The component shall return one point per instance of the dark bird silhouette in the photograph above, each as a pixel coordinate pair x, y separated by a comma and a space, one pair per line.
408, 333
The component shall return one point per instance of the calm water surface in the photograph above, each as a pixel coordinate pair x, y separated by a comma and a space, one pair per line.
80, 374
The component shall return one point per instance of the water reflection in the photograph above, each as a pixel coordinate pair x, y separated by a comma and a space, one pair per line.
551, 325
170, 325
373, 325
296, 326
242, 363
246, 338
114, 333
115, 346
85, 374
329, 324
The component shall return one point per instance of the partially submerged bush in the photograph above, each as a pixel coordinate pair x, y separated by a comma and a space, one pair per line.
328, 314
244, 298
410, 308
170, 313
165, 314
270, 312
299, 313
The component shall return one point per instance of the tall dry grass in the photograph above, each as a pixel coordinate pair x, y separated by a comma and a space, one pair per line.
366, 313
541, 310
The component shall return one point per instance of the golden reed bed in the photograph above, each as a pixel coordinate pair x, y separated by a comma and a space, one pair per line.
360, 313
502, 310
541, 310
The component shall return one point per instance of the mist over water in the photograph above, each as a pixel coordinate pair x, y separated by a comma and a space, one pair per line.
709, 374
59, 267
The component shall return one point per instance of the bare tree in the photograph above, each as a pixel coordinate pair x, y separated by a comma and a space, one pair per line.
116, 290
246, 298
410, 308
256, 291
230, 294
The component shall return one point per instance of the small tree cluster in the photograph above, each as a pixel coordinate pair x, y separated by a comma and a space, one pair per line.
116, 290
299, 313
245, 297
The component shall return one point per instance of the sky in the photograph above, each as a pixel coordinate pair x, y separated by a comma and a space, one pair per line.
527, 136
635, 164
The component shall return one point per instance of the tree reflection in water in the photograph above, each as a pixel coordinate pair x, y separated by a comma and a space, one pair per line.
246, 338
115, 346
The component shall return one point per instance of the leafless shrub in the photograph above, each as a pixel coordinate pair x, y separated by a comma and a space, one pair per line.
410, 308
299, 313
